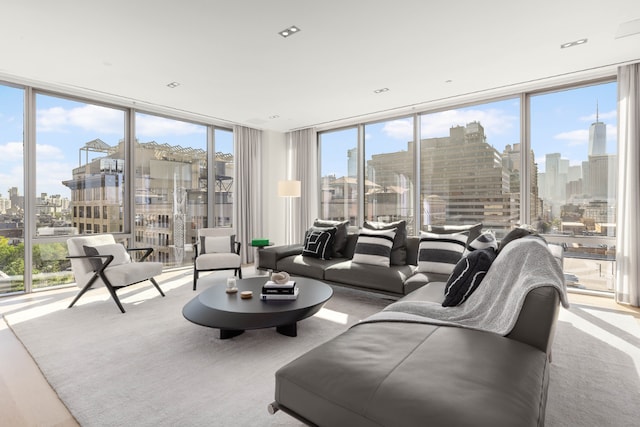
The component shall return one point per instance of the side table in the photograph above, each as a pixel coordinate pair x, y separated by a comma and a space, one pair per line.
257, 257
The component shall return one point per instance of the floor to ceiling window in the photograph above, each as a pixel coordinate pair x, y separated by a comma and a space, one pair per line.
170, 186
470, 166
79, 165
574, 140
389, 171
339, 175
12, 190
224, 177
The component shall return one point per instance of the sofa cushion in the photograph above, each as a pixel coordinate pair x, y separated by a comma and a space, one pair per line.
439, 253
406, 374
467, 275
318, 242
374, 247
305, 266
340, 239
387, 279
120, 255
419, 280
399, 248
515, 234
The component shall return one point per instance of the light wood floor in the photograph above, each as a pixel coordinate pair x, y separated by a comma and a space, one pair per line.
26, 399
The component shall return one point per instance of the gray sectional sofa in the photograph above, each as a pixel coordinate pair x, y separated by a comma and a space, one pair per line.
483, 363
396, 280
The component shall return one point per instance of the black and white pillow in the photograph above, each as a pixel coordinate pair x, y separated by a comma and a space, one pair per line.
439, 253
318, 242
399, 248
342, 229
217, 244
467, 275
483, 241
374, 247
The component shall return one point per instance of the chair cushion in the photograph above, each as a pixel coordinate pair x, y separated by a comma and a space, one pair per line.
374, 247
120, 255
213, 261
217, 244
133, 272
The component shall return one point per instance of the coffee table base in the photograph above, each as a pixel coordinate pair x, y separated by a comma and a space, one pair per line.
287, 330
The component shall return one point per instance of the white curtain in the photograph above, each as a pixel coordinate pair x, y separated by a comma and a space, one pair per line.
302, 147
247, 218
628, 207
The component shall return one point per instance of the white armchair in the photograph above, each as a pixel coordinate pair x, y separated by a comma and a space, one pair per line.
99, 259
216, 249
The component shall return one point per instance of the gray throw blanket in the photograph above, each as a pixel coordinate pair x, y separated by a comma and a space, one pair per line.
523, 265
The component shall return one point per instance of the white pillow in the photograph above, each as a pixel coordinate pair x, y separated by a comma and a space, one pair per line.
217, 244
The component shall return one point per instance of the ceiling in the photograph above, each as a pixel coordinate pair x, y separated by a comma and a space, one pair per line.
234, 67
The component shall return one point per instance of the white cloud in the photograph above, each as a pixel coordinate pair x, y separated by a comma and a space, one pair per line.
154, 126
613, 114
11, 152
87, 117
574, 138
399, 129
45, 152
493, 120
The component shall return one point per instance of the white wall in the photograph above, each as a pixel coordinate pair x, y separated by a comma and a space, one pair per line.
273, 170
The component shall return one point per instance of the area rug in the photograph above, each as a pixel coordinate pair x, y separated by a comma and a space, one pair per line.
151, 367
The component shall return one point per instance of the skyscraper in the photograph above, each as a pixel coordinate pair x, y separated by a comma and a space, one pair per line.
597, 137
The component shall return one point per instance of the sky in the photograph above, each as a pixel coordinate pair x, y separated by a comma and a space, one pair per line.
559, 124
559, 121
63, 126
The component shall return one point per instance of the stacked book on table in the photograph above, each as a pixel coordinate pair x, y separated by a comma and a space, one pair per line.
279, 291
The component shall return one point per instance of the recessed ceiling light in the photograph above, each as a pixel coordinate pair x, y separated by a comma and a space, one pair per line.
573, 43
275, 116
448, 81
384, 89
288, 31
173, 85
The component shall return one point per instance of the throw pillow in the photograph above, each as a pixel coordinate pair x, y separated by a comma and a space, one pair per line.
439, 253
467, 275
342, 229
483, 241
472, 231
318, 242
517, 233
120, 255
399, 248
374, 247
217, 244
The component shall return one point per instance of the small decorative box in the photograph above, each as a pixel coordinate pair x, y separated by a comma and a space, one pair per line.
259, 242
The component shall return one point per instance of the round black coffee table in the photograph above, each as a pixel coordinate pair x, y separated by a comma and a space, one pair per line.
233, 315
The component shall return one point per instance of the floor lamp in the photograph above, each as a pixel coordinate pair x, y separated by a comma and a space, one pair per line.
289, 189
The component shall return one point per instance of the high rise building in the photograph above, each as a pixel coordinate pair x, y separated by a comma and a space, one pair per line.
597, 137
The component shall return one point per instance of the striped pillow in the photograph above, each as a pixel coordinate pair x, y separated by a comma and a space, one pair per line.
374, 247
439, 253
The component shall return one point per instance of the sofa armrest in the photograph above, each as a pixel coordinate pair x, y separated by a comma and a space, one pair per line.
537, 319
270, 256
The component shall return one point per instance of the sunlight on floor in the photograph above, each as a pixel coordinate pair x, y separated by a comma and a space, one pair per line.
333, 316
620, 323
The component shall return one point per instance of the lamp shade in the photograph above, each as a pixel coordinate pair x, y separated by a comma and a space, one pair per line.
289, 188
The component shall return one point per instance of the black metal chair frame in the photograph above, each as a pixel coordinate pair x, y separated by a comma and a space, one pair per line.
100, 274
196, 272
